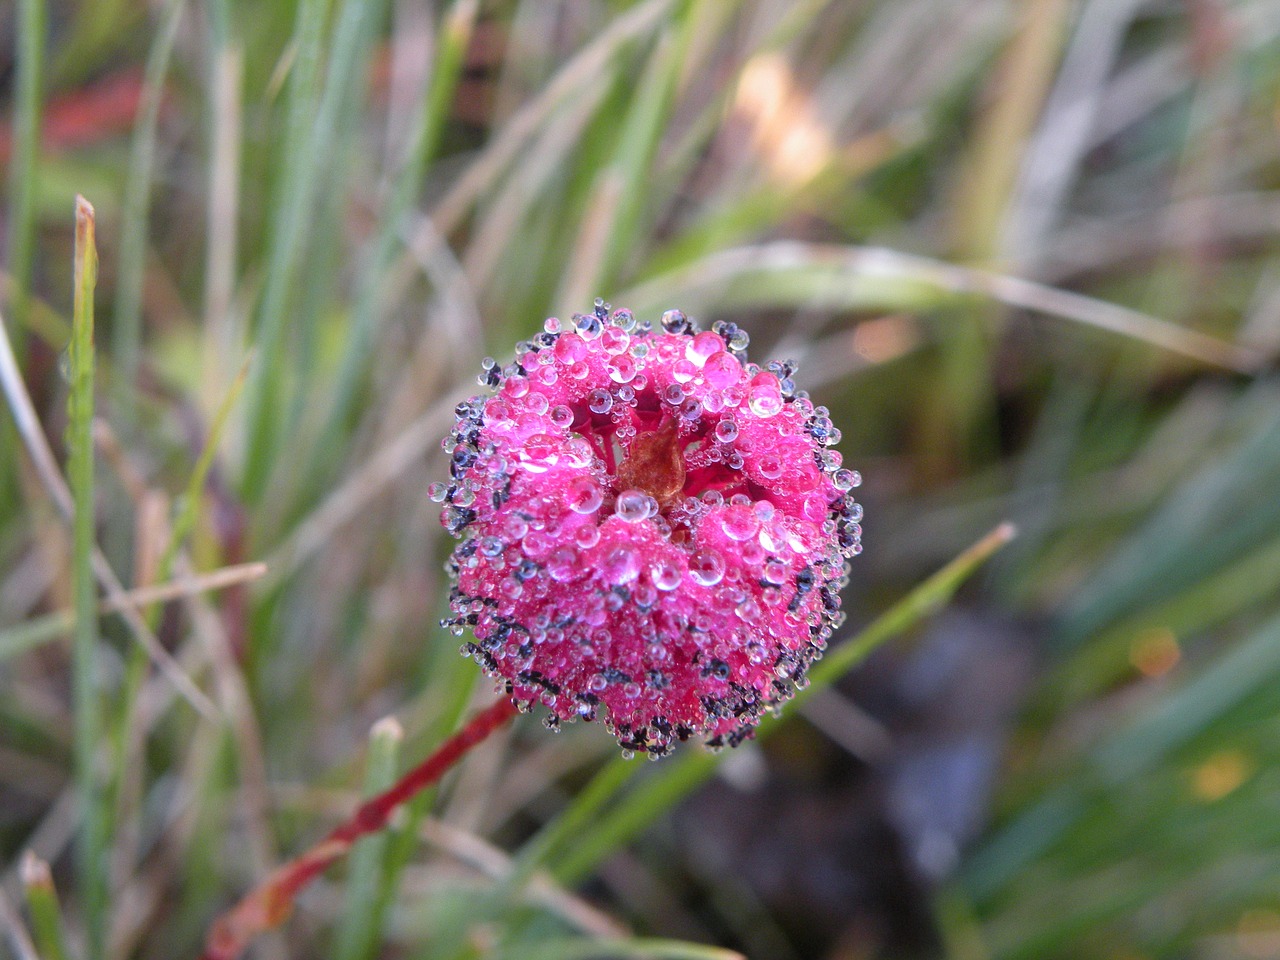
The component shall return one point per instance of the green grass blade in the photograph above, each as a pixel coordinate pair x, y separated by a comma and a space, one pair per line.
642, 948
313, 133
88, 720
681, 776
127, 319
47, 927
423, 143
24, 165
185, 521
361, 923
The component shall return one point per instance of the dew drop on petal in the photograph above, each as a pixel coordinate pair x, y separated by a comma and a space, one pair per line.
584, 495
706, 567
721, 370
436, 492
683, 371
562, 564
775, 572
764, 396
632, 506
665, 573
600, 401
622, 368
620, 566
562, 416
702, 346
739, 523
615, 340
727, 431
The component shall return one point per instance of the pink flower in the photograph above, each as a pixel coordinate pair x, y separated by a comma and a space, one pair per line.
655, 531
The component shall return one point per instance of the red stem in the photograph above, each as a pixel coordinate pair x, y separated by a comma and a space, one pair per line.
269, 904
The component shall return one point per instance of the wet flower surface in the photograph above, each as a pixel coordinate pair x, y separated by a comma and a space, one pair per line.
654, 530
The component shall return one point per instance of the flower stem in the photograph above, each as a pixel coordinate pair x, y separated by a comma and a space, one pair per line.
269, 903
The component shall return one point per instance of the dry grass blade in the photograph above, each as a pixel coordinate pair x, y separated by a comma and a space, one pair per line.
45, 628
713, 278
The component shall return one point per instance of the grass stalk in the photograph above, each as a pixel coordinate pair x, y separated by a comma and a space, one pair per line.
358, 935
88, 712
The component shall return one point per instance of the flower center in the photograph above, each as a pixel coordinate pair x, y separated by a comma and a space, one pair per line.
655, 465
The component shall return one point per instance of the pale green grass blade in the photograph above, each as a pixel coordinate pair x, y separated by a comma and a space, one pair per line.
85, 675
361, 923
127, 319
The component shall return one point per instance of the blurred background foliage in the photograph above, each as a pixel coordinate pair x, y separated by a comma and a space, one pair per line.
1025, 251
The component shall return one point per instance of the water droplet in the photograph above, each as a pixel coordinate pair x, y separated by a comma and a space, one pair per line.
552, 325
739, 523
539, 453
764, 396
620, 566
706, 567
632, 506
691, 409
588, 325
846, 479
615, 341
673, 394
600, 401
702, 346
622, 368
515, 387
562, 416
721, 370
770, 468
727, 431
584, 495
665, 573
586, 536
683, 371
775, 572
436, 492
537, 403
562, 564
514, 526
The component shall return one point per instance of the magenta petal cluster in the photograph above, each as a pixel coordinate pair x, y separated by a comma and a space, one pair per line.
654, 530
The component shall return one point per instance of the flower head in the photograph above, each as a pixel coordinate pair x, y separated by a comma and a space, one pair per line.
654, 530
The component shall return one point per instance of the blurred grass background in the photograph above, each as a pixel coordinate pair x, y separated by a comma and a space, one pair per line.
1025, 251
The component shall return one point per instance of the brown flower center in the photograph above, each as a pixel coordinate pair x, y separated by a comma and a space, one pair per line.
655, 465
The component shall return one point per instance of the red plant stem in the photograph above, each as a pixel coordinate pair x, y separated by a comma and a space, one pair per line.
269, 904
